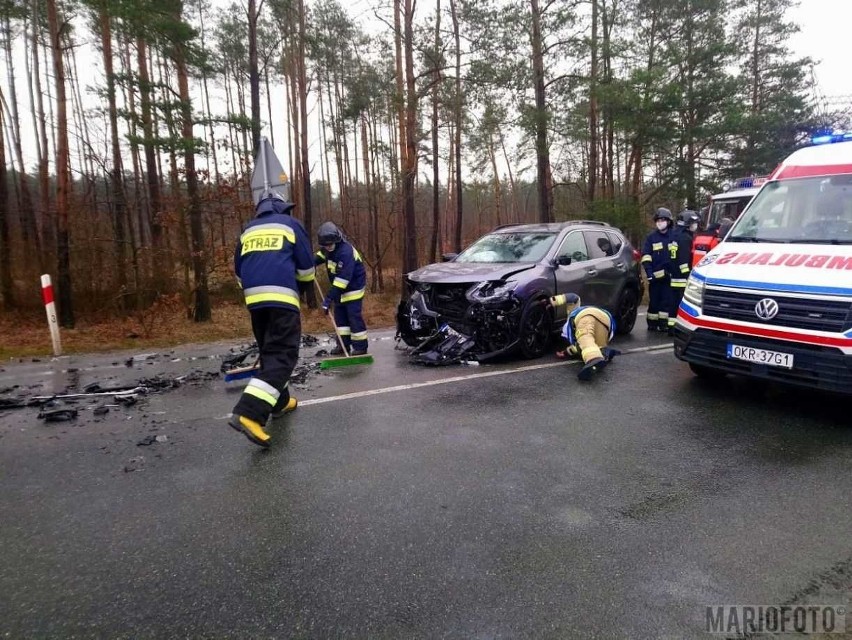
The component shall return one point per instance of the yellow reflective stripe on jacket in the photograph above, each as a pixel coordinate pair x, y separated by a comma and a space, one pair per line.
679, 283
351, 296
657, 246
660, 273
269, 293
305, 275
320, 254
356, 254
684, 268
263, 391
341, 283
647, 258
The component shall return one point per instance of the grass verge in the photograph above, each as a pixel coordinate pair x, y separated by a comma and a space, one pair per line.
27, 335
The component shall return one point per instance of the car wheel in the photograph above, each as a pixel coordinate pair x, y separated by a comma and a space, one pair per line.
706, 373
628, 306
535, 330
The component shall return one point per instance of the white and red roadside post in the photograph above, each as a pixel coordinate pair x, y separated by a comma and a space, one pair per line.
50, 308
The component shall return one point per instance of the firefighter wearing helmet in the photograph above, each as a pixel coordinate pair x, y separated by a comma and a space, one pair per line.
348, 280
681, 265
658, 253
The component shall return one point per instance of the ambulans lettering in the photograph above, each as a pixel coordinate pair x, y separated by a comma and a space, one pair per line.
840, 262
819, 261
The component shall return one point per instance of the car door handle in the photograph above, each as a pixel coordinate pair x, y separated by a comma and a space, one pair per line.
592, 272
620, 266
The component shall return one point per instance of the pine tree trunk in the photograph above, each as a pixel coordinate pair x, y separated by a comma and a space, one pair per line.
593, 108
436, 173
542, 152
66, 296
161, 261
254, 76
26, 212
202, 310
7, 290
116, 174
458, 118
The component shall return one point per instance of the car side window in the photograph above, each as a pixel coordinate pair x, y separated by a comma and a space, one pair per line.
600, 246
617, 243
574, 246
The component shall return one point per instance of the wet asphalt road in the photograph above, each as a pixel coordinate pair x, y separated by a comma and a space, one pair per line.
512, 501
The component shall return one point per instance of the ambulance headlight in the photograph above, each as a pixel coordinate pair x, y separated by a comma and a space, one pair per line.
694, 293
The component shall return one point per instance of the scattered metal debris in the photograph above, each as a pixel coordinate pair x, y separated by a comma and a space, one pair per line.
149, 440
444, 347
100, 410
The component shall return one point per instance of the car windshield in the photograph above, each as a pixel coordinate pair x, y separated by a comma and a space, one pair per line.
515, 246
816, 210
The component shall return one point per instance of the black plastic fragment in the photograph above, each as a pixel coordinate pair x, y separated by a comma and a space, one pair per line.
58, 415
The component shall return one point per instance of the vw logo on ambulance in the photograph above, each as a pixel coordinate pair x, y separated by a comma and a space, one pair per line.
766, 309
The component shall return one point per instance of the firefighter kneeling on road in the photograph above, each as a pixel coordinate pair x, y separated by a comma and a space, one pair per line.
272, 262
588, 331
348, 280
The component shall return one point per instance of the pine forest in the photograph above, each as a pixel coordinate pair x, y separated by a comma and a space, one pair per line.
129, 127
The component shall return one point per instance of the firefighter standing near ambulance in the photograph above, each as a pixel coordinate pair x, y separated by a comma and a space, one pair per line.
681, 264
348, 280
272, 262
588, 331
658, 252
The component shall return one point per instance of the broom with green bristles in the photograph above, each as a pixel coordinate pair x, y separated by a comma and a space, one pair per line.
346, 360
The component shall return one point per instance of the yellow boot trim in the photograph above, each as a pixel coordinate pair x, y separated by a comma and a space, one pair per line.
251, 429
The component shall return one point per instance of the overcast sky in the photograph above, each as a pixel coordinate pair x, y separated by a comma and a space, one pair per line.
825, 36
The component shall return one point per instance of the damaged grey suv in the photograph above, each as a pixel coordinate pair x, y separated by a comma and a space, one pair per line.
490, 297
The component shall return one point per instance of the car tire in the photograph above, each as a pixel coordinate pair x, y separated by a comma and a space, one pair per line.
628, 307
535, 331
706, 373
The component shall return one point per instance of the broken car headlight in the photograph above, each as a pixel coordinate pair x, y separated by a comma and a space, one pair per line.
492, 291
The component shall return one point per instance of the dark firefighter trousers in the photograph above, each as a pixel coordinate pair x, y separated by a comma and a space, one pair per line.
676, 297
350, 324
659, 304
278, 333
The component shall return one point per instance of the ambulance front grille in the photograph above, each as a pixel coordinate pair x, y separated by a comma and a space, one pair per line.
833, 316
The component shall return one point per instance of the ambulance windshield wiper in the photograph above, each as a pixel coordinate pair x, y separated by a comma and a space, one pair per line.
825, 241
751, 239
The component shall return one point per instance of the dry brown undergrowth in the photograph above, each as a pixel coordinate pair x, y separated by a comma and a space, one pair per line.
26, 334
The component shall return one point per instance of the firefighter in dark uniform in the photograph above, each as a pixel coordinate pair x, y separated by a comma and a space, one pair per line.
588, 331
273, 262
681, 265
657, 254
348, 280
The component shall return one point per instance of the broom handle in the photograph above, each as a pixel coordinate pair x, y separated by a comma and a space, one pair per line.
333, 323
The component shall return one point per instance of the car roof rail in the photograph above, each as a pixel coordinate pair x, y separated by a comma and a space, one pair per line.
513, 224
595, 222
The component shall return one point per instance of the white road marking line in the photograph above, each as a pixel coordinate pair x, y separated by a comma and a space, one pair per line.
472, 376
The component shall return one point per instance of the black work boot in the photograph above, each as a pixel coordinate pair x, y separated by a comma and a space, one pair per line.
592, 368
609, 353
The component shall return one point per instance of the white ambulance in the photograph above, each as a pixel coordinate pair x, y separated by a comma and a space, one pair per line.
774, 299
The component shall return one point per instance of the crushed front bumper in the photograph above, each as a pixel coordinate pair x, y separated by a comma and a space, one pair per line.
816, 367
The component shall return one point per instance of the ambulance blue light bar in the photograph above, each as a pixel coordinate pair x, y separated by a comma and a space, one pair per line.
829, 138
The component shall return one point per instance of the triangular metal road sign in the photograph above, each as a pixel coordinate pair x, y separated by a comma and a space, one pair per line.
268, 176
